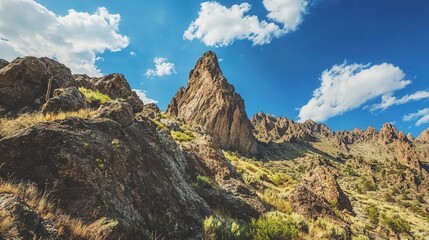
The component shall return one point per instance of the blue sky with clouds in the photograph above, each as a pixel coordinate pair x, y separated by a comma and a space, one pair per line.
347, 63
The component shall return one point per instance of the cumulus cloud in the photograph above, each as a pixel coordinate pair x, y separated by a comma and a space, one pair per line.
390, 100
74, 39
162, 68
143, 96
219, 26
133, 53
287, 12
422, 117
347, 87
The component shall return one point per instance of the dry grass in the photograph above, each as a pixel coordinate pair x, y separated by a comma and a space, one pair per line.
8, 126
42, 203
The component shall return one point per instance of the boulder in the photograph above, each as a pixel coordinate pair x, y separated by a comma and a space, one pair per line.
25, 80
120, 112
65, 100
322, 180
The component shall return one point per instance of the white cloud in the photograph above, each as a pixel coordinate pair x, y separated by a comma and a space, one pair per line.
74, 39
389, 100
162, 68
143, 96
287, 12
422, 117
133, 53
219, 26
347, 87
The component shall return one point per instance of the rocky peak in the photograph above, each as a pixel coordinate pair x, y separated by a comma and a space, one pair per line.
388, 134
410, 137
424, 136
3, 63
277, 129
210, 101
318, 129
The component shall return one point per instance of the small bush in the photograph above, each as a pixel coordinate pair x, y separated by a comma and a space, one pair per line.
205, 182
397, 224
94, 98
223, 228
388, 198
368, 185
373, 214
181, 136
276, 225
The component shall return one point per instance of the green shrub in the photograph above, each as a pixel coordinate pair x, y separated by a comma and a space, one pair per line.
223, 228
181, 136
368, 185
373, 214
277, 178
397, 224
326, 229
276, 225
94, 97
205, 182
388, 198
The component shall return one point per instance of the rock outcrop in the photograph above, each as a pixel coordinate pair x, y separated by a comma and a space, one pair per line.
113, 85
24, 83
65, 100
3, 63
210, 101
423, 137
387, 134
277, 129
232, 194
280, 129
322, 180
109, 167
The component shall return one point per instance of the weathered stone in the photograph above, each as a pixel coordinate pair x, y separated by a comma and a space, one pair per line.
25, 80
133, 175
120, 112
64, 100
210, 101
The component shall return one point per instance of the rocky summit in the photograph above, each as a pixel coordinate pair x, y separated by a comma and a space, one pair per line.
84, 158
210, 101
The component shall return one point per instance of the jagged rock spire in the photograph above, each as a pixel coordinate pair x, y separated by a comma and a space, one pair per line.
210, 101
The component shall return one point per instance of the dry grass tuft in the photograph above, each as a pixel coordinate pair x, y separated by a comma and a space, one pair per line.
8, 126
43, 204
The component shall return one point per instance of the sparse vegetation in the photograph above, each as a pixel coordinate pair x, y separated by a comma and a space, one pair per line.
94, 97
373, 214
276, 225
45, 207
397, 224
8, 126
181, 136
223, 228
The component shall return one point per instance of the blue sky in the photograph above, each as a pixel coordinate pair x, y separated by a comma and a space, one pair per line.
379, 47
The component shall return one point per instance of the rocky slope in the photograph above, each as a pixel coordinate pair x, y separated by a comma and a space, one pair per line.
84, 158
210, 101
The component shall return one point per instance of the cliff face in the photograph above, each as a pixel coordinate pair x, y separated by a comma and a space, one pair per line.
210, 101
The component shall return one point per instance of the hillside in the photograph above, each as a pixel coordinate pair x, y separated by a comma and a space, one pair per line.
85, 158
